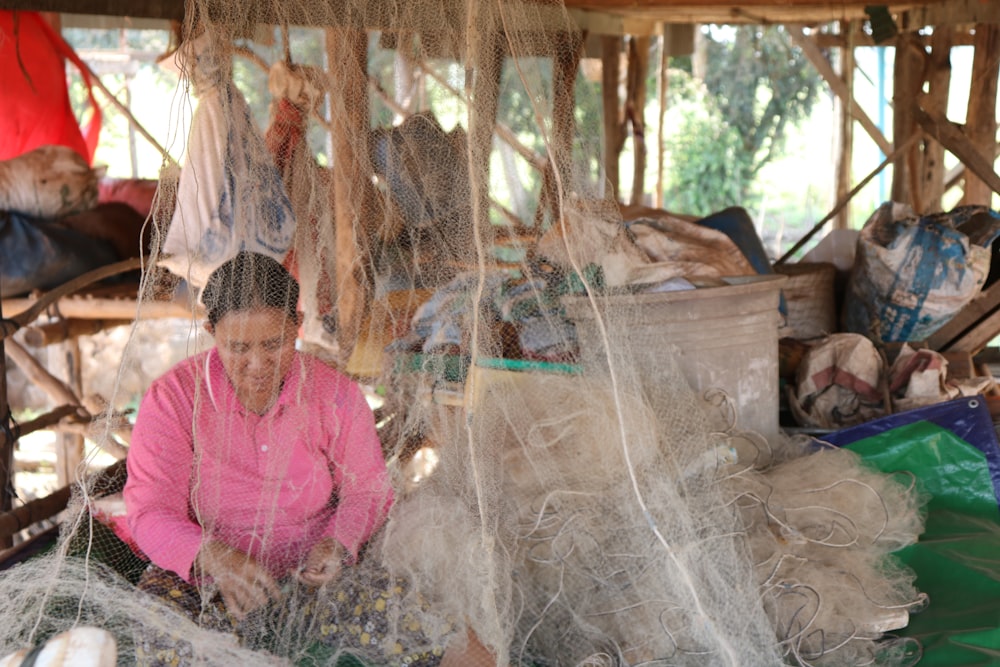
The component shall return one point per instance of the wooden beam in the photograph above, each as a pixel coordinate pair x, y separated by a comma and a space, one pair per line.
484, 74
845, 150
21, 318
932, 173
16, 520
837, 85
635, 106
613, 139
908, 79
662, 81
346, 61
565, 66
53, 387
85, 307
59, 331
7, 439
70, 447
949, 12
952, 138
984, 304
981, 117
48, 420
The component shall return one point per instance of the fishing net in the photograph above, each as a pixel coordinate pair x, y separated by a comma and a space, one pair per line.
563, 491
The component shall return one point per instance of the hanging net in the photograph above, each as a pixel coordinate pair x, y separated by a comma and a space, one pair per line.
495, 434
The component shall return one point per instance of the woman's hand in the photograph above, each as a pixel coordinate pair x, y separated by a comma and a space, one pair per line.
323, 564
244, 583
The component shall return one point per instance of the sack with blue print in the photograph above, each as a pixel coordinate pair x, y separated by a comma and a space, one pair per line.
912, 274
230, 196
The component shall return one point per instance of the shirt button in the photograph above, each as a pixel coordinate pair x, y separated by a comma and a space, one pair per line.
263, 448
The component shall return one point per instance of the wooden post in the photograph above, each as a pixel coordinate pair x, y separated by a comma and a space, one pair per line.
932, 173
70, 446
981, 119
846, 134
485, 98
347, 50
635, 105
565, 65
613, 139
662, 81
7, 442
907, 82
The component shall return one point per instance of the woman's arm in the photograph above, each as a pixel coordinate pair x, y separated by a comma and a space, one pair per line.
359, 475
157, 492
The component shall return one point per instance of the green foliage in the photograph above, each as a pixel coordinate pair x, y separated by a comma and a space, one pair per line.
756, 87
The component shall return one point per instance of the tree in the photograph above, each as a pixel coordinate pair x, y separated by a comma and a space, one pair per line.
757, 85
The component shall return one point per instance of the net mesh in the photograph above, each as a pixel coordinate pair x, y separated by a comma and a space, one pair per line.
561, 493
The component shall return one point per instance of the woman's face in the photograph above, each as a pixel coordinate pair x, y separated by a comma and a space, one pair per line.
257, 347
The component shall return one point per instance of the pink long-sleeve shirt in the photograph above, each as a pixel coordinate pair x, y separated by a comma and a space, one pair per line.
201, 466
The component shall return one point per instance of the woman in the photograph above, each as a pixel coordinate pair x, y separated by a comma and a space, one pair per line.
256, 471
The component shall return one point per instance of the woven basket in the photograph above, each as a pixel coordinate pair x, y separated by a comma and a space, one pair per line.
810, 300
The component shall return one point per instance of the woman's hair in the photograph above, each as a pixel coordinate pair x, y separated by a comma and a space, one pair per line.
247, 281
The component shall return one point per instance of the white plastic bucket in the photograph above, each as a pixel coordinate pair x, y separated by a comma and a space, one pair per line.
722, 337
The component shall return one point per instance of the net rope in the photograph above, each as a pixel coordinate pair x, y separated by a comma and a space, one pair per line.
594, 510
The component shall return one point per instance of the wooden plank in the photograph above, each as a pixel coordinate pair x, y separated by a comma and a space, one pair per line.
839, 87
982, 306
981, 116
951, 137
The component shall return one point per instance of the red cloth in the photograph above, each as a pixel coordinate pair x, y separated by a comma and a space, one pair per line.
34, 98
